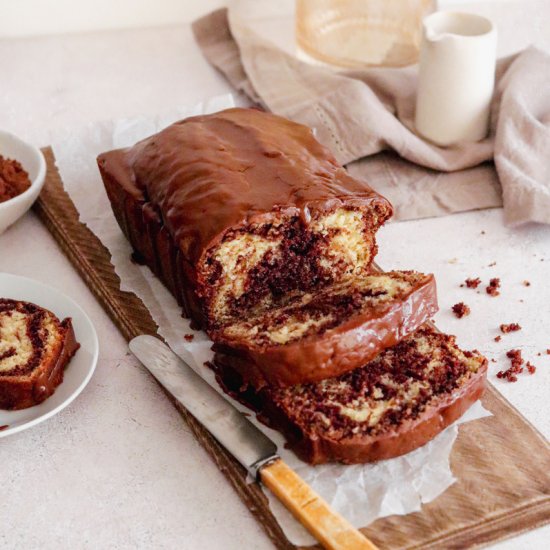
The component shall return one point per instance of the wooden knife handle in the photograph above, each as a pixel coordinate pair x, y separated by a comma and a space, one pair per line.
328, 527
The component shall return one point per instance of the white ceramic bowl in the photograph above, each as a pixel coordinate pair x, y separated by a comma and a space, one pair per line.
34, 163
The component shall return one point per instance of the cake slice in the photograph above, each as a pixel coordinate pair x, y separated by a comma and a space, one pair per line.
310, 336
390, 406
239, 207
35, 348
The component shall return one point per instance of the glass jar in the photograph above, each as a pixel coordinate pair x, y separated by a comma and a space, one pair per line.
361, 33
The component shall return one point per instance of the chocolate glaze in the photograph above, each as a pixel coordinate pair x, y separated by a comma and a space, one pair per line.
20, 391
338, 350
209, 173
320, 448
178, 192
48, 380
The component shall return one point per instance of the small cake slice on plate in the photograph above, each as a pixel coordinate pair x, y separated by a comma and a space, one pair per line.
389, 407
310, 336
35, 348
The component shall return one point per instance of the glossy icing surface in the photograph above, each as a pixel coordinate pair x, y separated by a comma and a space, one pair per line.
209, 173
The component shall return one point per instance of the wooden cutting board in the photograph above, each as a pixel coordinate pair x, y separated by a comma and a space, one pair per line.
502, 463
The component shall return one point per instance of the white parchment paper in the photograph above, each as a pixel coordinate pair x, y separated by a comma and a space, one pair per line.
362, 493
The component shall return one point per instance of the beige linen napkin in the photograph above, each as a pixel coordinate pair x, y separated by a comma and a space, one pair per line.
522, 143
365, 118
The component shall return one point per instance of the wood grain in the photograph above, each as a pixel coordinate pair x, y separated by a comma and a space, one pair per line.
502, 463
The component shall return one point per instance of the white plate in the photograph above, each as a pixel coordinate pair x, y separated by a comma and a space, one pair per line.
80, 369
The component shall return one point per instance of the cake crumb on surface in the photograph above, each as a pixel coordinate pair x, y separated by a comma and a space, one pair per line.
530, 367
492, 288
516, 367
492, 264
526, 283
511, 327
515, 356
461, 309
473, 282
189, 337
498, 338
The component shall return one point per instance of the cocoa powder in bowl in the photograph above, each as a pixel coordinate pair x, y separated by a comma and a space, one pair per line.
14, 179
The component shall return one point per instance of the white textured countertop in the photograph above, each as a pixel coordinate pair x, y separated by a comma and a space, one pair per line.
118, 468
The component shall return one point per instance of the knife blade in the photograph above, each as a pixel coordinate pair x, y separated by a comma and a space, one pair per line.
229, 426
252, 448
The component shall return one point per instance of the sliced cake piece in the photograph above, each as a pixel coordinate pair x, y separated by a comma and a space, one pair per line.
312, 336
394, 404
234, 208
35, 347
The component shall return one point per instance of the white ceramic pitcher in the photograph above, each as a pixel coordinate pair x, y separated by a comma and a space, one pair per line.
456, 77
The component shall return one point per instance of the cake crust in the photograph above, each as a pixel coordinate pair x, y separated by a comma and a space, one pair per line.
340, 349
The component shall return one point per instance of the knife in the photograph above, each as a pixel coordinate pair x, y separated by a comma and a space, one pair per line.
252, 448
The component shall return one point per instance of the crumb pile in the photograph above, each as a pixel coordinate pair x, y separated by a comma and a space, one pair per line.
461, 309
512, 327
473, 283
493, 287
516, 367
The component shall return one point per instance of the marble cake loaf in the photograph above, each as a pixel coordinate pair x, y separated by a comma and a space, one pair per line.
236, 209
389, 407
35, 348
315, 335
